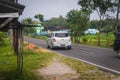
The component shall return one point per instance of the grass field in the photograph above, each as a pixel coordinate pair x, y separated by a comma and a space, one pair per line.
107, 40
32, 61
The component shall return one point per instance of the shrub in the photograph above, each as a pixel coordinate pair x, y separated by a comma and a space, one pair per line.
84, 40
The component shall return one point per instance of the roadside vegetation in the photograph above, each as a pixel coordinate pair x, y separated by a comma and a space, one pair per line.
106, 41
38, 58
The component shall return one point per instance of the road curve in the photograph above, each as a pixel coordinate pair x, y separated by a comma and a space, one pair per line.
100, 57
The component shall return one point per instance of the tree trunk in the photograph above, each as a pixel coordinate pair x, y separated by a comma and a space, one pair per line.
99, 29
99, 38
10, 33
117, 17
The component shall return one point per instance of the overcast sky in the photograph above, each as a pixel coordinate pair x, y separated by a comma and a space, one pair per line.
49, 8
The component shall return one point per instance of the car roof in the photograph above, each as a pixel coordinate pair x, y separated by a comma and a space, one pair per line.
59, 32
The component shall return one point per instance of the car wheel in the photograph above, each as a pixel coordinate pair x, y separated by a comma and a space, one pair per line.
69, 47
118, 53
48, 46
52, 46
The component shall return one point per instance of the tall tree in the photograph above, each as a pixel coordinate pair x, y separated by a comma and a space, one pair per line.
94, 24
40, 17
100, 6
77, 21
60, 21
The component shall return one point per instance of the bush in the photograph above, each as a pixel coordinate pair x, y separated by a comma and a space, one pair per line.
84, 39
2, 42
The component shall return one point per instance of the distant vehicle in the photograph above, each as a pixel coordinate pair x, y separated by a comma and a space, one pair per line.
117, 43
59, 39
91, 31
42, 33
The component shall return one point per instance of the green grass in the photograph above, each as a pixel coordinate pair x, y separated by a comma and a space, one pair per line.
92, 40
7, 62
32, 61
36, 60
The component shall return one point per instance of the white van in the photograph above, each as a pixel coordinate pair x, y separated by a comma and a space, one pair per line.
59, 39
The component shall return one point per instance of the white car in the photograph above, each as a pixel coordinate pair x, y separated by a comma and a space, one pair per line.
59, 39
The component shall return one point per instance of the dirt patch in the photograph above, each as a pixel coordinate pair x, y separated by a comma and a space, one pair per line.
40, 50
36, 49
58, 71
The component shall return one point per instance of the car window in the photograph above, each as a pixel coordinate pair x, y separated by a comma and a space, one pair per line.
52, 35
61, 35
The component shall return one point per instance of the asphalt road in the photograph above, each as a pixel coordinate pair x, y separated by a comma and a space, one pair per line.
100, 57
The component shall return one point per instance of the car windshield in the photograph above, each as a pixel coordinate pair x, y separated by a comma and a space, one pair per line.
61, 35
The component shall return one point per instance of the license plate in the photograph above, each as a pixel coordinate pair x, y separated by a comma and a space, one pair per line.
62, 45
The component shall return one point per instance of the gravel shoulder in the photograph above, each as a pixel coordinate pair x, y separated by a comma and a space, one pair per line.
58, 71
